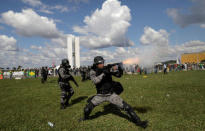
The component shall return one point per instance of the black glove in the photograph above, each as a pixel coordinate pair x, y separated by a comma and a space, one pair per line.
120, 70
106, 71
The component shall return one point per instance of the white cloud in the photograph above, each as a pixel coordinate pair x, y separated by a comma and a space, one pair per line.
61, 41
196, 14
36, 47
106, 26
202, 25
190, 47
42, 56
118, 54
29, 23
23, 58
44, 7
56, 51
36, 56
50, 9
79, 1
49, 53
33, 3
52, 52
154, 37
61, 8
155, 46
46, 11
194, 43
7, 43
159, 49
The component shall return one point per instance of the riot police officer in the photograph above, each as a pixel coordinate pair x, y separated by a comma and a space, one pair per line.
83, 73
63, 80
101, 76
44, 74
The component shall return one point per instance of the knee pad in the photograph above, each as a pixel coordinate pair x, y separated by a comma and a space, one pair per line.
63, 95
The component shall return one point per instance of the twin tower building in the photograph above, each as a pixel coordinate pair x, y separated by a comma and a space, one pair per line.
73, 51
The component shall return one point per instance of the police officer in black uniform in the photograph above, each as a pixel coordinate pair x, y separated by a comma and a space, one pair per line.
108, 90
63, 80
44, 74
83, 73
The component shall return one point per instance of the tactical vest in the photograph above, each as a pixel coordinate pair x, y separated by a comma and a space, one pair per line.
60, 79
105, 86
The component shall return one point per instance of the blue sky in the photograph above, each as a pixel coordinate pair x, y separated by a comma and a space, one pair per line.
143, 28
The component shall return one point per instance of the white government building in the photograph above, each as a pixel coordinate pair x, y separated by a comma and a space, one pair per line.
73, 51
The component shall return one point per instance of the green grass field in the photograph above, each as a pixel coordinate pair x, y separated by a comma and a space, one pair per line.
173, 102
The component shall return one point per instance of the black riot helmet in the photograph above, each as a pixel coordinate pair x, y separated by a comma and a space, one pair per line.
65, 63
98, 60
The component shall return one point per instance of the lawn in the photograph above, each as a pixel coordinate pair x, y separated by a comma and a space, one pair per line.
174, 102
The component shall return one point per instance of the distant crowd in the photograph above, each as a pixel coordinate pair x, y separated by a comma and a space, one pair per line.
137, 69
84, 70
39, 72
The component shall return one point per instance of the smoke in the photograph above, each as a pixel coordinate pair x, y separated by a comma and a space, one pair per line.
131, 61
154, 48
148, 56
152, 55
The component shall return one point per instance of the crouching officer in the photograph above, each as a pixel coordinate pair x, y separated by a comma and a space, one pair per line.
63, 81
101, 76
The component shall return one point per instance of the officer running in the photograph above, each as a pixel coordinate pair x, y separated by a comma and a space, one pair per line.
102, 78
63, 81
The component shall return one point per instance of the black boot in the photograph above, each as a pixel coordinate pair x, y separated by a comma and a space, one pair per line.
62, 106
134, 116
68, 98
87, 110
142, 124
67, 103
137, 120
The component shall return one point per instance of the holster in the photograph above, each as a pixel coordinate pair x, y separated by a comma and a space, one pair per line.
117, 87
